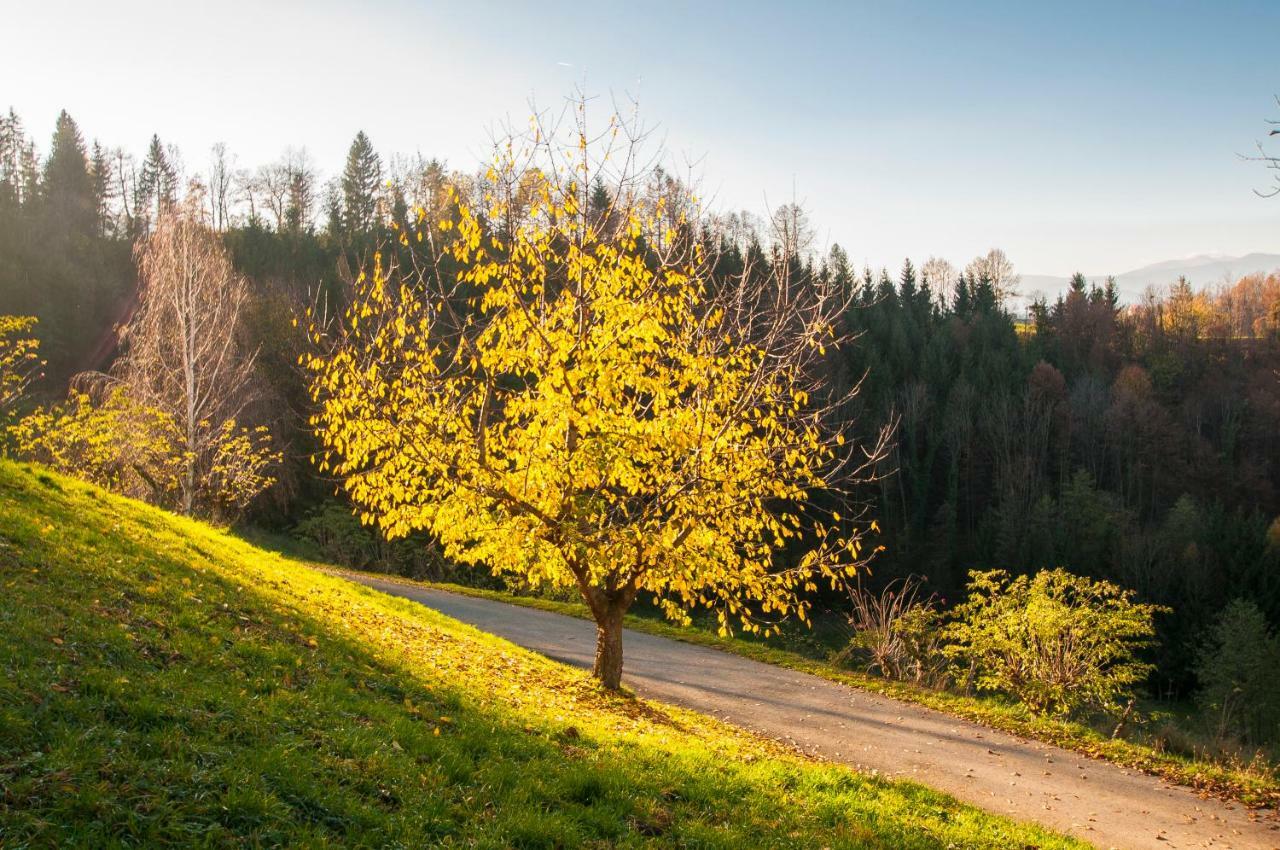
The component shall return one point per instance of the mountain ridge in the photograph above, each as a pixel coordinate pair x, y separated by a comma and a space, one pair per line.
1201, 269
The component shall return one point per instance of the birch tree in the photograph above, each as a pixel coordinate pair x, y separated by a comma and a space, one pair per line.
184, 354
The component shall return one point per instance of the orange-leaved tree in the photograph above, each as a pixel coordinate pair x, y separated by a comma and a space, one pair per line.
565, 393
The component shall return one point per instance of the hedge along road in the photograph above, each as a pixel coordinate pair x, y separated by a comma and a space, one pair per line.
1099, 802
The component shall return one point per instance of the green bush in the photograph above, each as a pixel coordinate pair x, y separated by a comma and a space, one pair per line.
1239, 673
1058, 642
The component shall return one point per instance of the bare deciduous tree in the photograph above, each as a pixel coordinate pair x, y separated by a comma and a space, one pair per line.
940, 276
125, 174
287, 187
183, 351
221, 177
997, 268
1270, 160
793, 234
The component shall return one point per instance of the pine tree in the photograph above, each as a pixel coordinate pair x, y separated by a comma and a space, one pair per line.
360, 180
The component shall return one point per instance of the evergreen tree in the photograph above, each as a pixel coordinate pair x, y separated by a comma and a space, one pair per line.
886, 292
963, 303
28, 173
100, 179
19, 165
599, 202
157, 183
360, 180
907, 283
12, 145
841, 273
985, 299
1112, 294
68, 186
333, 208
301, 201
868, 293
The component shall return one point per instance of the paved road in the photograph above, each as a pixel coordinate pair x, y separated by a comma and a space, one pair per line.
1026, 780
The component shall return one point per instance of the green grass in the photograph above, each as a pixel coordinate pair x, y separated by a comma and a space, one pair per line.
1252, 783
165, 684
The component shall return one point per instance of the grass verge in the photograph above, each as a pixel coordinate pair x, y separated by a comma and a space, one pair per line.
1245, 784
165, 684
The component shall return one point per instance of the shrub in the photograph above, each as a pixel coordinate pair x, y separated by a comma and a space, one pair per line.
118, 442
898, 635
1238, 671
1057, 642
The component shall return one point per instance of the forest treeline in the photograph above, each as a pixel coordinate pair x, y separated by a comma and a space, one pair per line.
1137, 443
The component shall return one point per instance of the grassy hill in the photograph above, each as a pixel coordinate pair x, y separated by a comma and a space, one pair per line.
165, 684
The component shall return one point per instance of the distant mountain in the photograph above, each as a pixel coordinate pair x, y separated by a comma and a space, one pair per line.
1202, 270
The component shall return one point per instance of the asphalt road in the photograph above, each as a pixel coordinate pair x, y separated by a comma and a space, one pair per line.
1099, 802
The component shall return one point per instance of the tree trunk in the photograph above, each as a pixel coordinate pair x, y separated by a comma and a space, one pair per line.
608, 666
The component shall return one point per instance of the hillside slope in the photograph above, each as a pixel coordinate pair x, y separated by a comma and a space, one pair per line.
165, 684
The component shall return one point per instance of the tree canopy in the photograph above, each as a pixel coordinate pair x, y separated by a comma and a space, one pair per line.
581, 408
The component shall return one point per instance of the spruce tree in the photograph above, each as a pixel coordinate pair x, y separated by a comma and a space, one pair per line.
100, 179
157, 183
68, 186
1112, 294
12, 142
333, 208
29, 173
907, 283
963, 303
360, 179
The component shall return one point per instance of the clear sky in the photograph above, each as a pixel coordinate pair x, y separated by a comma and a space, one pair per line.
1098, 137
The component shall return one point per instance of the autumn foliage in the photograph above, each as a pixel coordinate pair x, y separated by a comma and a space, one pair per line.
19, 359
168, 424
583, 408
1056, 641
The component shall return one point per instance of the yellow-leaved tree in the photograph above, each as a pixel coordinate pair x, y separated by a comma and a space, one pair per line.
564, 391
20, 363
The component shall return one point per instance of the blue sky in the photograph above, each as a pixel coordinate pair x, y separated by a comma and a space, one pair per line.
1098, 137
